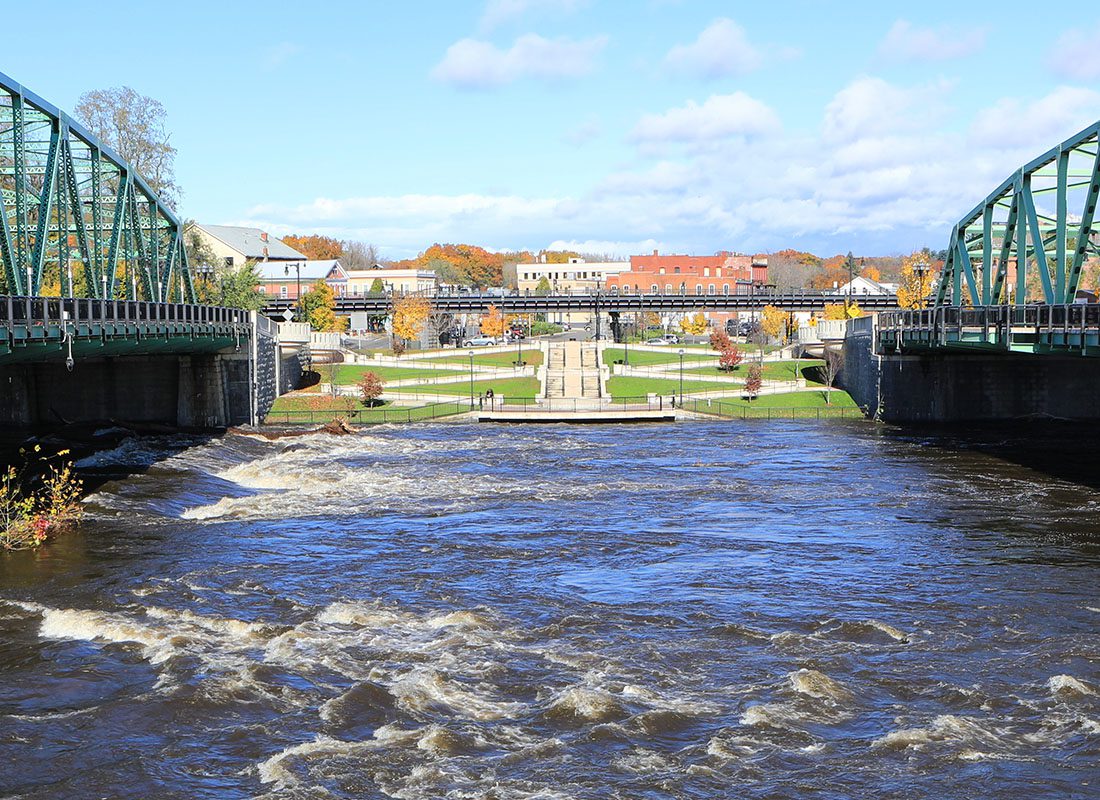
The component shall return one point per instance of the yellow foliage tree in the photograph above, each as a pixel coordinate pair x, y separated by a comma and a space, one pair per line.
318, 307
842, 311
409, 315
774, 322
492, 323
918, 279
871, 274
695, 324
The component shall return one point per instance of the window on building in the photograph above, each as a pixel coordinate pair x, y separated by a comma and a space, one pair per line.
725, 288
676, 271
710, 288
683, 288
229, 261
662, 272
653, 289
668, 288
283, 290
262, 289
698, 288
706, 272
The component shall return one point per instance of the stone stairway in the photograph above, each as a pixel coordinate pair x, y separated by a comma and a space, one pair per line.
572, 371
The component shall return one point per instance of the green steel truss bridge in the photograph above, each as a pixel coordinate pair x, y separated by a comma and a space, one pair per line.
75, 218
1014, 265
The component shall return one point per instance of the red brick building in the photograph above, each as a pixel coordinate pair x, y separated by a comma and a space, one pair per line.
722, 273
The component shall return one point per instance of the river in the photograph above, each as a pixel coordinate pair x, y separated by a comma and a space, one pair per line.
710, 610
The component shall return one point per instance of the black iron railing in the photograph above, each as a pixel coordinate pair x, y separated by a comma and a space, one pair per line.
45, 311
369, 416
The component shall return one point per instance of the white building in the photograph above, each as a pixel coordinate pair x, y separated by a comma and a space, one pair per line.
861, 286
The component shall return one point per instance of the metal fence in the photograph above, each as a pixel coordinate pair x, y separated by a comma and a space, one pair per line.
369, 416
739, 411
569, 404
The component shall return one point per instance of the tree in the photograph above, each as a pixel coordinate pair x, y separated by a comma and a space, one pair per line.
871, 273
730, 357
695, 324
318, 307
918, 278
543, 286
358, 255
842, 311
314, 247
774, 322
492, 323
370, 388
133, 125
754, 380
238, 287
377, 288
833, 363
409, 315
719, 340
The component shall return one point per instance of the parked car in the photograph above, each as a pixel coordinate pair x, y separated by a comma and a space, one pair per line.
481, 341
667, 339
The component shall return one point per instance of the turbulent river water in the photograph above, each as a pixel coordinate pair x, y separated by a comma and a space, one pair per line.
712, 610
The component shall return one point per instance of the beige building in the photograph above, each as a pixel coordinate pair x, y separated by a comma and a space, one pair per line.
576, 276
397, 281
234, 245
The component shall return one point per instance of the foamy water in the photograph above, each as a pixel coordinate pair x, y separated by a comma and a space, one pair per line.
721, 610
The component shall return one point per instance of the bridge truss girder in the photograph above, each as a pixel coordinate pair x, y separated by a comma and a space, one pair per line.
75, 219
1013, 230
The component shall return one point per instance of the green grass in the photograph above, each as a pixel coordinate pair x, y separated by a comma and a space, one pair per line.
362, 415
347, 374
502, 387
793, 405
507, 359
645, 358
314, 401
772, 371
621, 386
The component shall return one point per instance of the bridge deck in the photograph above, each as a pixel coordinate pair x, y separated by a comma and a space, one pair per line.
52, 329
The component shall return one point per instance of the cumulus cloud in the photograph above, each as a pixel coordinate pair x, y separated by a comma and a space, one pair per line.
722, 49
721, 116
1051, 119
499, 12
475, 64
908, 42
1076, 54
871, 187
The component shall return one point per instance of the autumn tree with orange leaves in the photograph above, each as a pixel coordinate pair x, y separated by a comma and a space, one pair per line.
492, 323
314, 247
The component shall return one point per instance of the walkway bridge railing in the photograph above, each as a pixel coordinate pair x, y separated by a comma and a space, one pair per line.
1067, 329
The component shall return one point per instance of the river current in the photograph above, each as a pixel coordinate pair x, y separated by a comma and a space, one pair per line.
711, 610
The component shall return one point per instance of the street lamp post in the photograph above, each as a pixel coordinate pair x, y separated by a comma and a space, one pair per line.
681, 377
921, 268
298, 291
471, 354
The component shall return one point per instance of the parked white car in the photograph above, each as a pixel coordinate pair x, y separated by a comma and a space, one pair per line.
667, 339
481, 341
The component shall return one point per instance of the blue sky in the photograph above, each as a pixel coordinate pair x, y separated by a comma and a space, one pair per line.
689, 126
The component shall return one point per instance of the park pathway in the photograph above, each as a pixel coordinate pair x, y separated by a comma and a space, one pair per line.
573, 371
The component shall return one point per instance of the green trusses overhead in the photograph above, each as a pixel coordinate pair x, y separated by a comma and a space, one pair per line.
75, 216
1039, 224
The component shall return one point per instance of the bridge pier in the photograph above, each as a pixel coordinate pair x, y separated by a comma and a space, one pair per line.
979, 387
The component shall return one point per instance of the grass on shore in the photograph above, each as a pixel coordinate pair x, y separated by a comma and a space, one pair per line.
519, 388
772, 370
645, 358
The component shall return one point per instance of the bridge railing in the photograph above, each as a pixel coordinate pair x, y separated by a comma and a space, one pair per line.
46, 311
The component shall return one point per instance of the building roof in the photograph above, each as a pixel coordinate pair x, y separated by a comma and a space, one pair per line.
864, 285
311, 270
250, 243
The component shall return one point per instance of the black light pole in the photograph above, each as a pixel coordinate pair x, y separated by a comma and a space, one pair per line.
681, 377
298, 292
471, 354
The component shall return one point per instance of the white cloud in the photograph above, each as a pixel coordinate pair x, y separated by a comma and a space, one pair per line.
475, 64
870, 106
875, 186
1076, 54
907, 42
583, 133
1050, 119
722, 49
498, 12
721, 116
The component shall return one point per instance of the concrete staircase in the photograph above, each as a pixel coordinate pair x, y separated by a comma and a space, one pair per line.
572, 371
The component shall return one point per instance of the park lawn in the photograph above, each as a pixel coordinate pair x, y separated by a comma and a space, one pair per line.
314, 401
531, 356
622, 386
808, 399
347, 374
645, 358
772, 371
520, 388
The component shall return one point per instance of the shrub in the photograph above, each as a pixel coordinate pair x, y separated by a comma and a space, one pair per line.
730, 357
27, 518
754, 380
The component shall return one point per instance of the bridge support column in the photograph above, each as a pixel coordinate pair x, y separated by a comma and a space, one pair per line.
201, 401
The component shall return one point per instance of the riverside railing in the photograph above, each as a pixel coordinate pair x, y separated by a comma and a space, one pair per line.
568, 404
